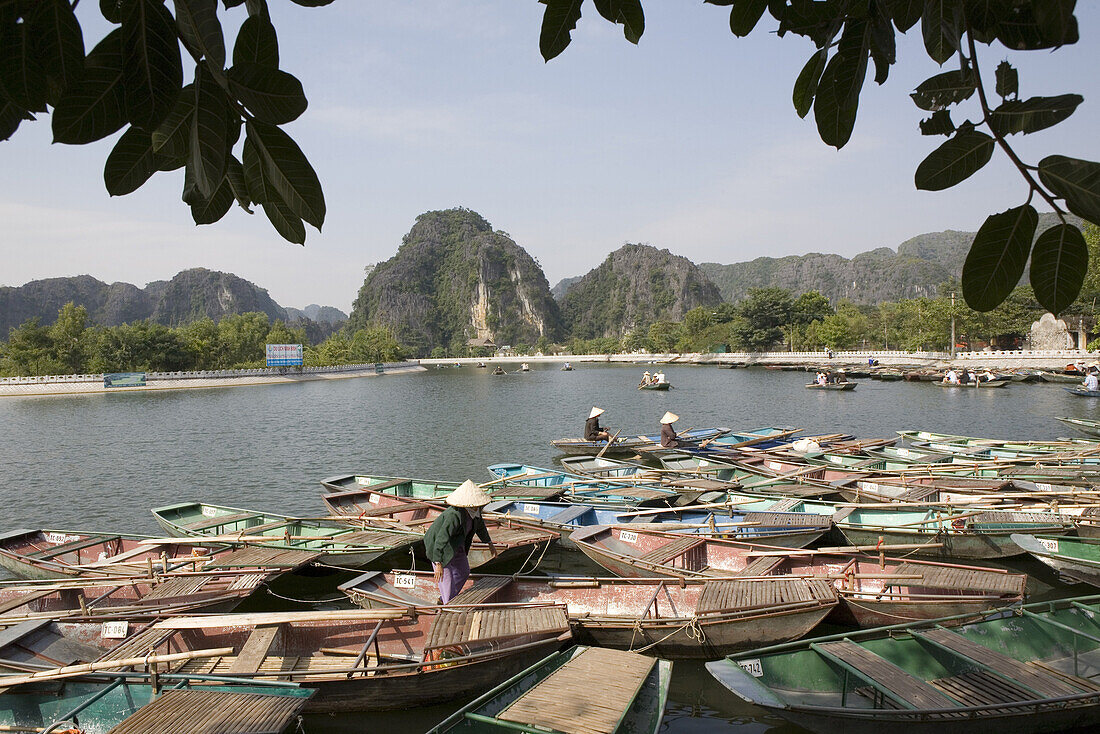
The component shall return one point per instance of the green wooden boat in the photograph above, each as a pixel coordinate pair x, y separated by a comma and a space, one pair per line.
334, 541
1084, 425
427, 489
611, 691
1022, 671
1075, 558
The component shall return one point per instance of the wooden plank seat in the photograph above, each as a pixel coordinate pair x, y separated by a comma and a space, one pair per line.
460, 627
138, 645
754, 594
978, 688
504, 536
916, 494
209, 522
564, 701
671, 550
481, 590
523, 478
383, 486
212, 712
784, 505
1015, 671
177, 586
255, 650
76, 545
369, 538
1008, 518
762, 566
961, 579
788, 519
568, 515
884, 676
528, 492
264, 557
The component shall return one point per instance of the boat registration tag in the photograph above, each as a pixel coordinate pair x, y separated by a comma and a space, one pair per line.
530, 509
903, 452
404, 581
209, 512
774, 465
1043, 486
374, 499
869, 486
115, 630
752, 667
61, 538
1048, 544
363, 481
628, 536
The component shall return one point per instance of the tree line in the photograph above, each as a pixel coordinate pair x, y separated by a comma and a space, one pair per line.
71, 346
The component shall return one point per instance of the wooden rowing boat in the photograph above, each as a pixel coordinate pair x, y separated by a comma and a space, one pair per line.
679, 619
429, 489
656, 386
840, 386
368, 508
1024, 671
334, 541
1082, 392
555, 695
873, 589
584, 489
1077, 559
1084, 425
628, 444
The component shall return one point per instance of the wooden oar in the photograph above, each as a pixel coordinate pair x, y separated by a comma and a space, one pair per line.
71, 671
605, 448
707, 506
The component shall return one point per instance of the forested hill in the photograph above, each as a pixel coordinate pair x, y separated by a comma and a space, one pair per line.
635, 286
455, 279
189, 296
918, 268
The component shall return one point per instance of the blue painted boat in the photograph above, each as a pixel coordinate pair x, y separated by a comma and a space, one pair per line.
584, 489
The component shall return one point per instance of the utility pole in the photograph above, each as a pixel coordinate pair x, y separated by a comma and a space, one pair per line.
952, 324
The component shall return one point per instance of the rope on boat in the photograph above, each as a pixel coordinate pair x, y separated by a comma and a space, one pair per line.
542, 555
304, 601
692, 628
900, 617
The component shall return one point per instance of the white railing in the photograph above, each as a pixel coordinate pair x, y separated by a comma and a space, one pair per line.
219, 374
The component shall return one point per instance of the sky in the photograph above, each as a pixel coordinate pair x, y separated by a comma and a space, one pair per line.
687, 141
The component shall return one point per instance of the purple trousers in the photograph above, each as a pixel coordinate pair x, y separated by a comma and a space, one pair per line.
455, 574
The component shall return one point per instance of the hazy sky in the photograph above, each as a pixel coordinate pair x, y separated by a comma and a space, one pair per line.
688, 141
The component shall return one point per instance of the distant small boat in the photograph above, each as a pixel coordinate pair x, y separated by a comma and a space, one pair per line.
980, 383
832, 386
1084, 425
524, 367
1082, 392
481, 365
1058, 377
499, 371
567, 367
655, 386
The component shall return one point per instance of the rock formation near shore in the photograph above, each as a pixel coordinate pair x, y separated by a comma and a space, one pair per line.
635, 286
455, 279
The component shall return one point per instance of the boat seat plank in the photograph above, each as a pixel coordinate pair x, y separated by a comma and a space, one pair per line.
76, 545
905, 687
568, 515
255, 649
481, 590
209, 522
1011, 668
962, 579
178, 586
379, 538
672, 549
460, 627
531, 493
138, 645
784, 505
564, 700
383, 486
762, 566
736, 594
264, 557
979, 688
212, 712
788, 519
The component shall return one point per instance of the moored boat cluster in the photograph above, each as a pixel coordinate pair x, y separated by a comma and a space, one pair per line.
732, 548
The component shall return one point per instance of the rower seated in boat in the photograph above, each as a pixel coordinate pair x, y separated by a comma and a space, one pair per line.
645, 379
1091, 383
659, 378
669, 440
593, 431
952, 377
821, 379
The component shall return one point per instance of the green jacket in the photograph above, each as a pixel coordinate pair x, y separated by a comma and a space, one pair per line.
445, 537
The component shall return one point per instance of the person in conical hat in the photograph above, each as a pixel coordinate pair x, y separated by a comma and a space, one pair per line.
593, 431
645, 379
447, 542
668, 435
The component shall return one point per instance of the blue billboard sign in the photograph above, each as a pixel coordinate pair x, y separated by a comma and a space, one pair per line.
284, 355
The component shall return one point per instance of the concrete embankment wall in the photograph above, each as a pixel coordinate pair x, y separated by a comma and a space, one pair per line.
1002, 360
156, 381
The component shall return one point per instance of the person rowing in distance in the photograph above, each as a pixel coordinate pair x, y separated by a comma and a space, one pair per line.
1092, 382
952, 377
593, 431
645, 379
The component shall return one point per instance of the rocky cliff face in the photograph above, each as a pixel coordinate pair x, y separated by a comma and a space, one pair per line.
198, 293
635, 285
455, 279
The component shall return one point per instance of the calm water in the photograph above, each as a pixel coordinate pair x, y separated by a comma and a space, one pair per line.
100, 462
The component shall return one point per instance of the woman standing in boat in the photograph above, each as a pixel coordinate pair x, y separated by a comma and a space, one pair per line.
448, 540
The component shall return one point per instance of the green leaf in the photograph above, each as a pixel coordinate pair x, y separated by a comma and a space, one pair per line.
111, 10
256, 43
286, 222
259, 187
95, 107
234, 174
271, 95
938, 124
1021, 30
173, 137
288, 171
883, 44
851, 62
1008, 80
943, 90
311, 3
1032, 115
1076, 181
152, 68
131, 163
998, 256
940, 28
834, 117
201, 30
954, 161
905, 13
805, 87
627, 13
983, 15
11, 116
60, 46
745, 14
1059, 262
208, 144
208, 211
1056, 22
22, 75
558, 22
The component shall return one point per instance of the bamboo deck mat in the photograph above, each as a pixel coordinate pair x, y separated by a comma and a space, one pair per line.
481, 590
456, 628
264, 557
213, 712
735, 595
672, 549
788, 519
961, 579
588, 695
899, 683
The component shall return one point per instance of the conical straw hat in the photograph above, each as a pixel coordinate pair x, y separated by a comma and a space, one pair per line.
595, 412
469, 494
669, 417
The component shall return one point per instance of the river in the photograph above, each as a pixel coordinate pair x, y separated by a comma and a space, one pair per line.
101, 462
